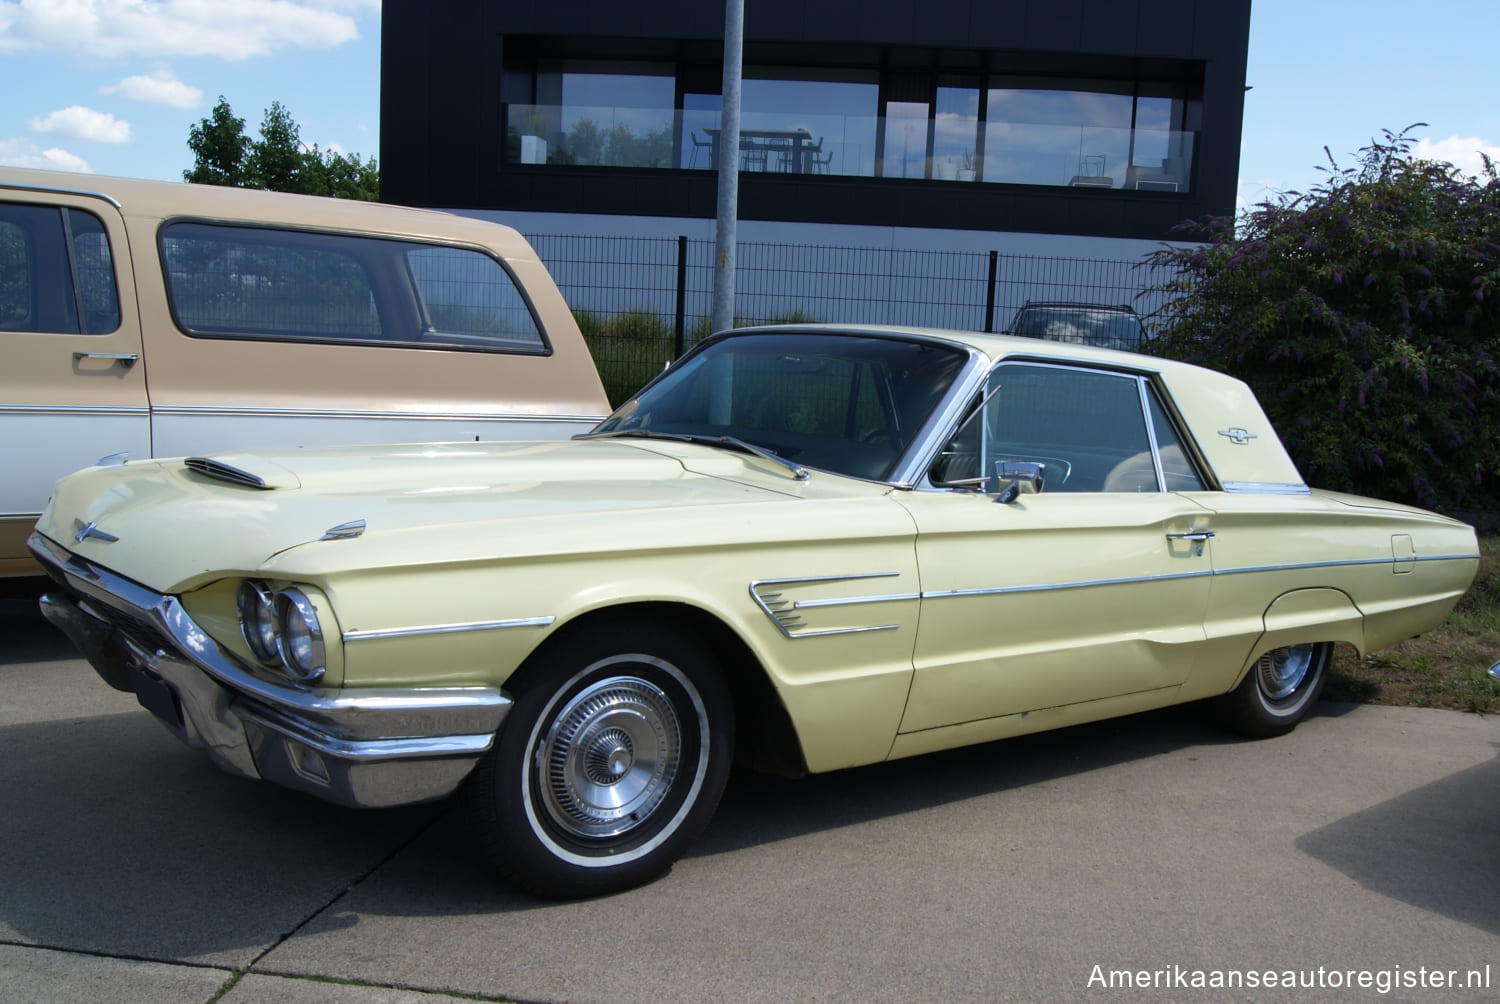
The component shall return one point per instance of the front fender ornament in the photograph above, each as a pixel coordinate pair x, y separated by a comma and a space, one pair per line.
86, 531
345, 531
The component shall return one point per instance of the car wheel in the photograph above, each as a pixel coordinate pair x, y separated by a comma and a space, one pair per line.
1278, 691
608, 766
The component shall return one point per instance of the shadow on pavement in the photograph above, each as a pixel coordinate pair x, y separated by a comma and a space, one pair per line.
1436, 847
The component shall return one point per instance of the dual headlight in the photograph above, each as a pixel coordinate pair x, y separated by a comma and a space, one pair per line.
282, 627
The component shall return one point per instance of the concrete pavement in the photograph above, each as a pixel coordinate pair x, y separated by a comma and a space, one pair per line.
1368, 841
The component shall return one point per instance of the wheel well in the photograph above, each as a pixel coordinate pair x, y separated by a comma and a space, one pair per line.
764, 737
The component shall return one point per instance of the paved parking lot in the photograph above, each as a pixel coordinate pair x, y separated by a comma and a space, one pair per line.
1040, 868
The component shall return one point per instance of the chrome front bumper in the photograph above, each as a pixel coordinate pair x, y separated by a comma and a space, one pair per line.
362, 747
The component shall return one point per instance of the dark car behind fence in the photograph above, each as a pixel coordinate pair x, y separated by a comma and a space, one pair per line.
642, 301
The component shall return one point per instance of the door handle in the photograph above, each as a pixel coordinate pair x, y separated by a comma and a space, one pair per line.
1196, 537
125, 359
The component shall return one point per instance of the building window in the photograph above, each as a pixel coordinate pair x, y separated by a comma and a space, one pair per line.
1088, 135
913, 124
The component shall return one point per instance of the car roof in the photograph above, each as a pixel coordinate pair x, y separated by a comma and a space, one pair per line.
142, 198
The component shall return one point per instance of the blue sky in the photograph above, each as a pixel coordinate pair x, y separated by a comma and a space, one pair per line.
112, 86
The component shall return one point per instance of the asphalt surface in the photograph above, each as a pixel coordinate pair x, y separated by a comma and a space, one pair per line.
1365, 846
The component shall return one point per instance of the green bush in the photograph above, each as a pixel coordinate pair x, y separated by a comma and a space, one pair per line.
1363, 314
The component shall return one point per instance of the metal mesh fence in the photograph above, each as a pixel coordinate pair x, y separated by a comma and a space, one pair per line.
642, 300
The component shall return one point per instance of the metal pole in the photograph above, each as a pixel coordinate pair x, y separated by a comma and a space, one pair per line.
729, 166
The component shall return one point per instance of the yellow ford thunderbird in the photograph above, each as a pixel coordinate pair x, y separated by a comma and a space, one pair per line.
803, 548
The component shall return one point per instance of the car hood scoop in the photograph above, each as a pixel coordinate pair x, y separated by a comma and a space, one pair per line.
222, 469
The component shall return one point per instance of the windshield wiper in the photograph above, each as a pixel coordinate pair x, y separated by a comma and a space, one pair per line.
731, 442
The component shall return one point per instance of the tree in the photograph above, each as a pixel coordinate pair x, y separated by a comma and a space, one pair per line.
220, 148
278, 160
1363, 314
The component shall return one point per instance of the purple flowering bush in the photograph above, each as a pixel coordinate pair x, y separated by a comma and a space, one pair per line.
1364, 314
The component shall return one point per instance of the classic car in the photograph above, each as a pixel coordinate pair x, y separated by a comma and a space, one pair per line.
800, 548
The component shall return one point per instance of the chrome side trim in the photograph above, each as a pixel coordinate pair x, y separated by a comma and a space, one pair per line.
784, 611
942, 594
210, 411
1266, 488
72, 409
429, 629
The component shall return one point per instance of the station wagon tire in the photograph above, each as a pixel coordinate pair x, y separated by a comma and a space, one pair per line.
1278, 691
609, 765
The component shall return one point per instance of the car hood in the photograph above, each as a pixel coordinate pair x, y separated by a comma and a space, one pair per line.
170, 523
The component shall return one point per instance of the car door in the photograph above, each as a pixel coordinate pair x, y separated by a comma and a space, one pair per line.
1094, 587
72, 385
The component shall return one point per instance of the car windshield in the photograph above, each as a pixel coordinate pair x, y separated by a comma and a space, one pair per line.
1081, 325
842, 403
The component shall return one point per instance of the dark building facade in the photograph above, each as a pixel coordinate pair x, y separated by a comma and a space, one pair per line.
1111, 119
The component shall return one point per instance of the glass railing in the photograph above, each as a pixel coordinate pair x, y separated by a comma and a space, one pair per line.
832, 144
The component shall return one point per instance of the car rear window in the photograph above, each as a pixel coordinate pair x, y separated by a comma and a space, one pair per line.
227, 281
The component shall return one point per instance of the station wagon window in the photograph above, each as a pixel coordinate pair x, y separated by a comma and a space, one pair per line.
290, 285
1087, 429
56, 271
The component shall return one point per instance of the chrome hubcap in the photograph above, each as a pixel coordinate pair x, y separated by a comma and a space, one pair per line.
609, 758
1282, 671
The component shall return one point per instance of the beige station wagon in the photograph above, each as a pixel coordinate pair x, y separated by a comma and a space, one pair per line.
145, 318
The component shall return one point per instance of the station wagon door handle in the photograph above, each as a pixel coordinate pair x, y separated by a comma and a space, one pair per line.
125, 359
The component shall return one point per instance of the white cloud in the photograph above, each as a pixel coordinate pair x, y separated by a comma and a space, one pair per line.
1462, 153
78, 122
158, 88
115, 29
24, 153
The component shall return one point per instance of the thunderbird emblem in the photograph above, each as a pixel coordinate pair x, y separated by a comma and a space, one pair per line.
1238, 436
87, 530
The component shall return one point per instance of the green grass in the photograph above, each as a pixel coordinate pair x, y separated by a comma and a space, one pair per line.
1444, 668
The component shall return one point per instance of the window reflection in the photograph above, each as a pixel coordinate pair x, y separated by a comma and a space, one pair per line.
1021, 130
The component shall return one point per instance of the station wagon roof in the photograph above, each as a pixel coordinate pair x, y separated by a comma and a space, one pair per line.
136, 197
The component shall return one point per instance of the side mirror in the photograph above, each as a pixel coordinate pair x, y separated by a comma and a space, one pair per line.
1016, 478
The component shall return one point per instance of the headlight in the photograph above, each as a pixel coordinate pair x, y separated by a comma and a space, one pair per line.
302, 650
257, 609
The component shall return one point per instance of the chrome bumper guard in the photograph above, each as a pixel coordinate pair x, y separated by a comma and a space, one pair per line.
360, 747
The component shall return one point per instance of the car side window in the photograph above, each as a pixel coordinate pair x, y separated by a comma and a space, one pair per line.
56, 271
228, 281
1085, 429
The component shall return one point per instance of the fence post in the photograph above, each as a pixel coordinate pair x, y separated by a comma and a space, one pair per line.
989, 299
677, 339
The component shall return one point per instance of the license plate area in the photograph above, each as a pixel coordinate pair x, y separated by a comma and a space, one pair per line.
157, 696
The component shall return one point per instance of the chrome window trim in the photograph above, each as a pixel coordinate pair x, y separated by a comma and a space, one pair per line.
1265, 488
928, 441
11, 186
371, 634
